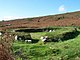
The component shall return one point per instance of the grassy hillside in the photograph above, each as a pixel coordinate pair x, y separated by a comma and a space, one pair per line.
66, 50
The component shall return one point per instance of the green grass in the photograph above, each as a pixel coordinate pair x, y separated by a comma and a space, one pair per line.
67, 50
60, 31
37, 35
70, 48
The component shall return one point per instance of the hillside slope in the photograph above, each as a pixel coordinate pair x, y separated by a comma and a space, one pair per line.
66, 19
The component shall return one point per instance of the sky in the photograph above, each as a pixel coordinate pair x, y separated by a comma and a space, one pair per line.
14, 9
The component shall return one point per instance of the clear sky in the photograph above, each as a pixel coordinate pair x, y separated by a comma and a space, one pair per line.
12, 9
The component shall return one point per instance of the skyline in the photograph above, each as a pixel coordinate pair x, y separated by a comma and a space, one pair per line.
14, 9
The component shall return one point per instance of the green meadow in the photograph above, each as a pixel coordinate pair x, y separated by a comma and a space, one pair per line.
61, 50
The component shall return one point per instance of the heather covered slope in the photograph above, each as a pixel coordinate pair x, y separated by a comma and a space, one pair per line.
66, 19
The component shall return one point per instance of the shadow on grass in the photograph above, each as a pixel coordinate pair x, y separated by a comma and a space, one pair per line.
65, 36
35, 40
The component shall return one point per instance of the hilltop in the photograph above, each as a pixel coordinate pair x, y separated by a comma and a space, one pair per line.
66, 19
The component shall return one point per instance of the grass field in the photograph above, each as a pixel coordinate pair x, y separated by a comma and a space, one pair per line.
37, 35
67, 50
